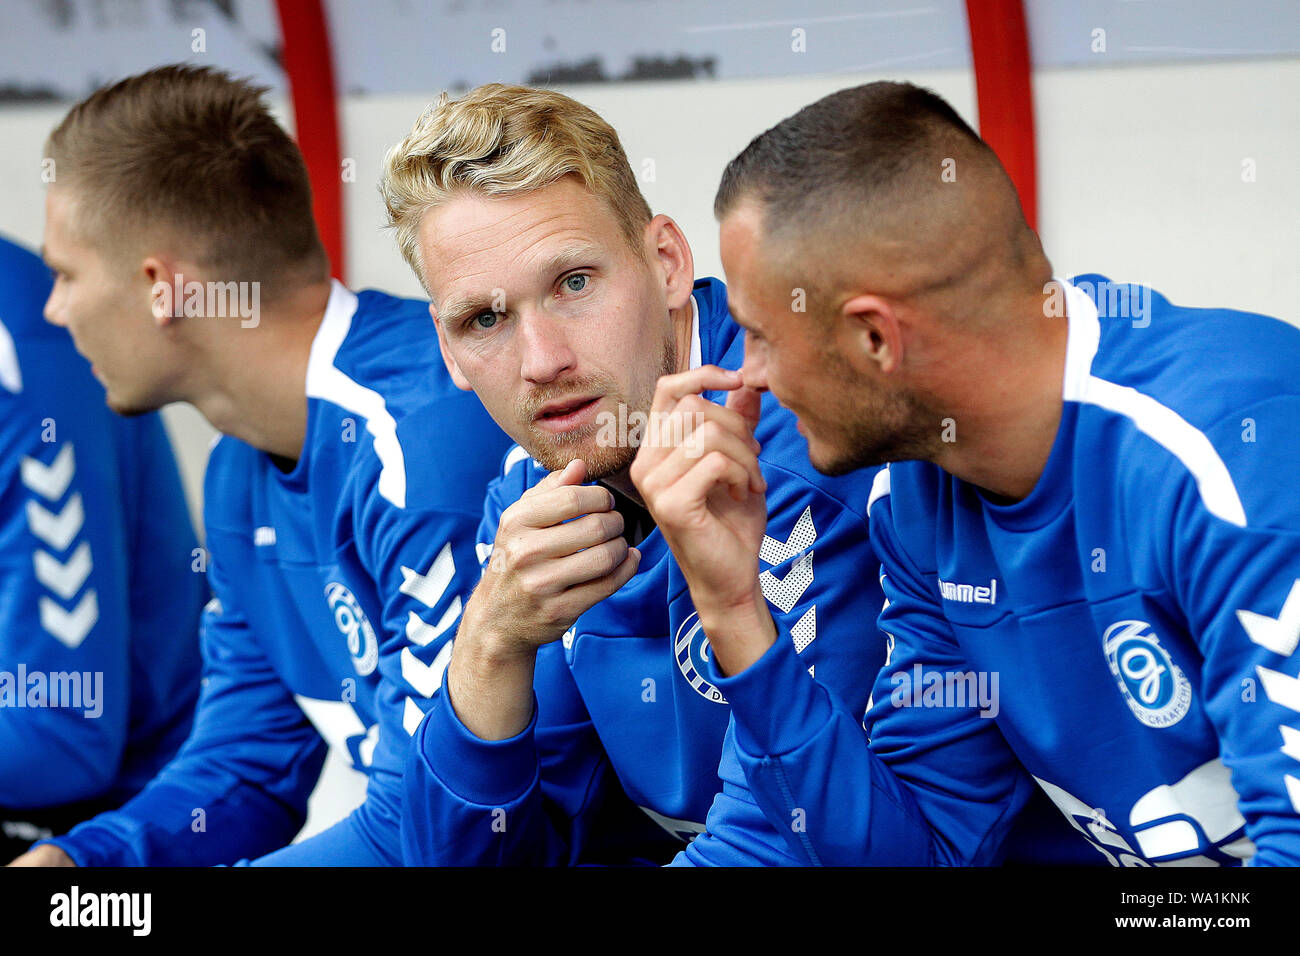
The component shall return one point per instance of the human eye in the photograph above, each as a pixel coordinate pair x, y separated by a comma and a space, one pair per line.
482, 321
576, 282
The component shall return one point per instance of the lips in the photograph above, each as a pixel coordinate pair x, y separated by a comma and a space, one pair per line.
565, 414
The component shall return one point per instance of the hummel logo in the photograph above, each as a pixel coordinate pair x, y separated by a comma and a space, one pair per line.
969, 593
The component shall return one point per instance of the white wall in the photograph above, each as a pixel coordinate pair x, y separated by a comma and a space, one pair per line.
1140, 174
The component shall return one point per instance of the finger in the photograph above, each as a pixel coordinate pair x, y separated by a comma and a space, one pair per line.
673, 388
582, 597
570, 537
714, 471
563, 573
542, 508
674, 427
571, 474
748, 402
709, 438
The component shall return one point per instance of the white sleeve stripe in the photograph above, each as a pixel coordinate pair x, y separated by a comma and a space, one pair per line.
879, 487
11, 375
1176, 435
1169, 429
327, 382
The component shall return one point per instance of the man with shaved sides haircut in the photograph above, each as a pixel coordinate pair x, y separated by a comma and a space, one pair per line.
1089, 530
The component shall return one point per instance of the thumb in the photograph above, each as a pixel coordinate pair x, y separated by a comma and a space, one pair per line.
574, 473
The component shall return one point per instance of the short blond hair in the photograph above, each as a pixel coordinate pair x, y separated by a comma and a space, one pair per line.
500, 140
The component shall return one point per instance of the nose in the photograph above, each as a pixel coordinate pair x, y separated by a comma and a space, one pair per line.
546, 352
754, 368
51, 311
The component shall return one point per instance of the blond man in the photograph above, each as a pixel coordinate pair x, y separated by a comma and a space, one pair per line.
581, 677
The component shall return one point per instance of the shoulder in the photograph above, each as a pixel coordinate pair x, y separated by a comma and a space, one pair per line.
1186, 400
228, 484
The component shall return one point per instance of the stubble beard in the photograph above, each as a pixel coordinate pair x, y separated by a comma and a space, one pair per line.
603, 460
874, 430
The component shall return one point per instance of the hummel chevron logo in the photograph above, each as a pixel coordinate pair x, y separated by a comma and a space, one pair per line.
57, 530
804, 631
1280, 688
428, 588
1278, 634
1290, 741
50, 481
65, 580
425, 678
773, 552
785, 592
70, 627
419, 632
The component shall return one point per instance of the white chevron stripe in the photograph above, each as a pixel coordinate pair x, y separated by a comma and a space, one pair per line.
70, 628
50, 481
785, 592
805, 630
425, 678
1278, 634
65, 580
366, 748
801, 538
1293, 791
1280, 688
429, 587
1290, 741
418, 632
57, 530
411, 717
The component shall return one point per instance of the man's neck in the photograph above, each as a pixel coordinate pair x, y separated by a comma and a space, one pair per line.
1006, 413
254, 386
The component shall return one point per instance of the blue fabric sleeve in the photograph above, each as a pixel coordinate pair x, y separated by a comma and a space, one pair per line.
918, 786
238, 787
823, 592
1239, 586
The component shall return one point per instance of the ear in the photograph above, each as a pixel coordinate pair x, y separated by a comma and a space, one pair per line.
668, 249
872, 333
165, 299
453, 369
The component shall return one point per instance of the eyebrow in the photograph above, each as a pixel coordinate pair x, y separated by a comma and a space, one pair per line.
460, 307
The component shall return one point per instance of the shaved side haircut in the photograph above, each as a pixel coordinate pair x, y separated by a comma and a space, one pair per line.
889, 170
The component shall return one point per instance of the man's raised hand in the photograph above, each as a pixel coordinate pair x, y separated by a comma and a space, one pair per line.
707, 495
559, 550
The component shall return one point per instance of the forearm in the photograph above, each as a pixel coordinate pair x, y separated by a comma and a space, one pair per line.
490, 679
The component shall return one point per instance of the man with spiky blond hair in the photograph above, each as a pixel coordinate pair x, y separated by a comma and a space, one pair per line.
580, 671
